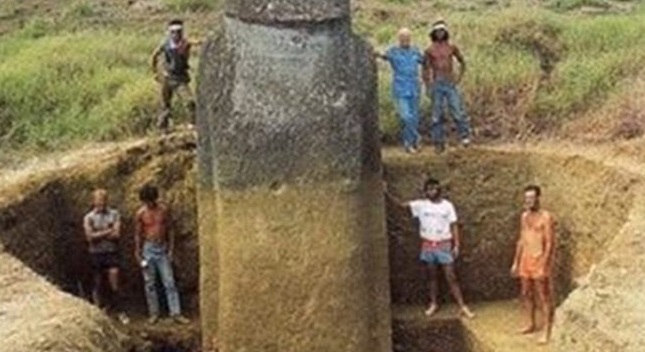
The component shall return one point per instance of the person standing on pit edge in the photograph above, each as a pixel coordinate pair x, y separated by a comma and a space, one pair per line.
174, 76
441, 84
405, 60
152, 222
102, 227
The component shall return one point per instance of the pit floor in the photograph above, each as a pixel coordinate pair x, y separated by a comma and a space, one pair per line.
494, 329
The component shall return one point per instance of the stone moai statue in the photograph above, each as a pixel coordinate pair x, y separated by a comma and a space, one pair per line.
291, 215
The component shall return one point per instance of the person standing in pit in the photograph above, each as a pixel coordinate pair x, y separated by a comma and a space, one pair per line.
154, 245
441, 240
533, 262
102, 227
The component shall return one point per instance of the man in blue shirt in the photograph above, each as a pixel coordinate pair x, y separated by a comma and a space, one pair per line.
405, 60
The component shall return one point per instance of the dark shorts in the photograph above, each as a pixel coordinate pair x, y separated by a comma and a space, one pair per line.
104, 261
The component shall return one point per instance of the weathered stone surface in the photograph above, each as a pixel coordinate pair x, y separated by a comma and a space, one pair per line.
285, 11
292, 108
293, 249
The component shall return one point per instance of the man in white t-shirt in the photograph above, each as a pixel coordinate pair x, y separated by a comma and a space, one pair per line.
440, 240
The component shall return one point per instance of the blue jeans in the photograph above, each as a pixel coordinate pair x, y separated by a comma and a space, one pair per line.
408, 108
158, 262
441, 92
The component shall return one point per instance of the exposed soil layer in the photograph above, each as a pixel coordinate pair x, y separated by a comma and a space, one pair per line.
600, 246
41, 216
413, 332
165, 336
591, 203
36, 316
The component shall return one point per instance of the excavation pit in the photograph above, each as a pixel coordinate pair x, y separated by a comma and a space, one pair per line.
40, 224
591, 202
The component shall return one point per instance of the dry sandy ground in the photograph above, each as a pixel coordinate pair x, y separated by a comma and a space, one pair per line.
35, 316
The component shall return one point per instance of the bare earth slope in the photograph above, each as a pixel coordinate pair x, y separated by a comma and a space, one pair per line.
35, 316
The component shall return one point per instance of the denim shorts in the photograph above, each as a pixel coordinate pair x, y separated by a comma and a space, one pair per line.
439, 255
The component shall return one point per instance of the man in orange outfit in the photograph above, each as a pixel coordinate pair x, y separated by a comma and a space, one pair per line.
533, 261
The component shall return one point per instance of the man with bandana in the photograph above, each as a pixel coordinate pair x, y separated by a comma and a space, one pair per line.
441, 82
174, 76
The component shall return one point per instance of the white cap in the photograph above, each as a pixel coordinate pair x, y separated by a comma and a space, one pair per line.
439, 26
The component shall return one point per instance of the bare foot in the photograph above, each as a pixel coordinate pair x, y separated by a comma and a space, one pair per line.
433, 309
527, 330
544, 339
467, 312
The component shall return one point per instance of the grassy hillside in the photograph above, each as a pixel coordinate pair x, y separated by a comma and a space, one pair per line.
73, 71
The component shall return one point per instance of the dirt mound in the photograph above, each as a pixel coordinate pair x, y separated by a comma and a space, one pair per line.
35, 316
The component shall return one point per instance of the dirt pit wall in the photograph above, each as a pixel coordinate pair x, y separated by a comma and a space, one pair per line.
40, 224
591, 203
41, 217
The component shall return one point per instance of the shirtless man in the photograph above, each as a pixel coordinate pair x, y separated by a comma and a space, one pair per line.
439, 231
102, 227
533, 261
152, 223
441, 84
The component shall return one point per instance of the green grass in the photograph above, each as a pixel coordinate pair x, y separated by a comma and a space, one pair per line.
600, 53
190, 5
574, 4
60, 89
74, 76
591, 56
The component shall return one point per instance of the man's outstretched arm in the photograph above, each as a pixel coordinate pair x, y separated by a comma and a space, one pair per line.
394, 199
